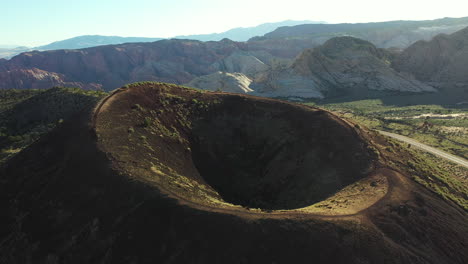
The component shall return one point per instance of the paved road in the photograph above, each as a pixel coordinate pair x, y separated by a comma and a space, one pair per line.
461, 161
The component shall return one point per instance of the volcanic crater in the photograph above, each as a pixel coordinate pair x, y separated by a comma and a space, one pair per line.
230, 150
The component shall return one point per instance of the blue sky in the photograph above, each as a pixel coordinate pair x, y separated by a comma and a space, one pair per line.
38, 22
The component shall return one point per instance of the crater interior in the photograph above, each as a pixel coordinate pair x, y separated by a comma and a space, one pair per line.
241, 150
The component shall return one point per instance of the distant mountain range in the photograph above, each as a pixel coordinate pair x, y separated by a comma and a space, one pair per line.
392, 34
7, 46
277, 65
287, 38
9, 52
244, 34
79, 42
87, 41
340, 66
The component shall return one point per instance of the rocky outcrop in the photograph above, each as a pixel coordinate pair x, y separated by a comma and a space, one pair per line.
348, 62
284, 48
444, 59
38, 79
2, 63
241, 62
223, 81
175, 61
286, 83
341, 65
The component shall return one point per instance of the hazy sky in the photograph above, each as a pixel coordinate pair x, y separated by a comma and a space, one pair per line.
38, 22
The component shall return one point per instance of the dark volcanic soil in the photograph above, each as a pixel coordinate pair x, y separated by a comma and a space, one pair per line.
163, 174
256, 153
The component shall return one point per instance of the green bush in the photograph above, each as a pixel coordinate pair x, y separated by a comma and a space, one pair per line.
147, 122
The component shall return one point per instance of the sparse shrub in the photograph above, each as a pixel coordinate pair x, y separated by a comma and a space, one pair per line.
138, 107
15, 138
147, 122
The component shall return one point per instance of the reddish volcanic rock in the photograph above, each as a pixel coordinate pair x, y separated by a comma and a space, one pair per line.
31, 78
177, 61
37, 79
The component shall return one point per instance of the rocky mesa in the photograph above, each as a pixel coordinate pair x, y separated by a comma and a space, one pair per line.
342, 65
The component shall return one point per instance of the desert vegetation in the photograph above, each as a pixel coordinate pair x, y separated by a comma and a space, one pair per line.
26, 115
440, 126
